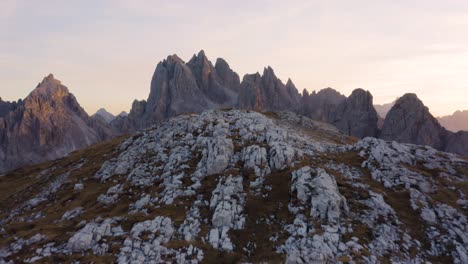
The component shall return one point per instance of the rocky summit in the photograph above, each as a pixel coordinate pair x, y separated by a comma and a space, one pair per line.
409, 121
239, 186
49, 123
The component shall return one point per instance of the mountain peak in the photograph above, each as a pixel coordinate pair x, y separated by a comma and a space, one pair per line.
409, 97
50, 87
358, 91
268, 71
410, 102
103, 113
50, 78
409, 121
201, 53
173, 59
199, 58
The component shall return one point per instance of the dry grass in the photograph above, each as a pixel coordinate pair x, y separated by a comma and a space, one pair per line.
257, 231
398, 200
27, 182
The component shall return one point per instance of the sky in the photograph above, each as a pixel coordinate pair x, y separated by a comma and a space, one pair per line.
105, 51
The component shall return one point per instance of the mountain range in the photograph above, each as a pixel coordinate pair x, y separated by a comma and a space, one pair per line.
212, 168
456, 122
50, 123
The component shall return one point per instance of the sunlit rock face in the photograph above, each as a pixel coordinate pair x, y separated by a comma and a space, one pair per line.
239, 186
46, 125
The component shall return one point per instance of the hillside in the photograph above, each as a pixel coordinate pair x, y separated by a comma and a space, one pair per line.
238, 186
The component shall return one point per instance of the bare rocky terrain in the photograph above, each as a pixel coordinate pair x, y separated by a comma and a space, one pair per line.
239, 186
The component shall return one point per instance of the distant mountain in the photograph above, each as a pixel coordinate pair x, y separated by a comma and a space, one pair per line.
455, 122
409, 121
6, 107
122, 114
383, 109
49, 123
106, 116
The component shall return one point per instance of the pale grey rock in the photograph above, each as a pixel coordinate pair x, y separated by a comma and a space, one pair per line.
89, 235
78, 187
219, 154
321, 191
173, 157
227, 201
69, 215
219, 239
255, 158
281, 155
191, 226
162, 225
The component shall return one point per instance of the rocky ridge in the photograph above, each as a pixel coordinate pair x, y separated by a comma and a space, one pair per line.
178, 88
104, 115
458, 121
239, 186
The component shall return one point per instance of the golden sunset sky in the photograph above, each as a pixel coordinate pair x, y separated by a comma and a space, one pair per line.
105, 52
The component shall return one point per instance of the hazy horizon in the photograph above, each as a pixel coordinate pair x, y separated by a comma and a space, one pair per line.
105, 52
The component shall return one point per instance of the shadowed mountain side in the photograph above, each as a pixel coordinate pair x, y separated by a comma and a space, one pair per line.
455, 122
